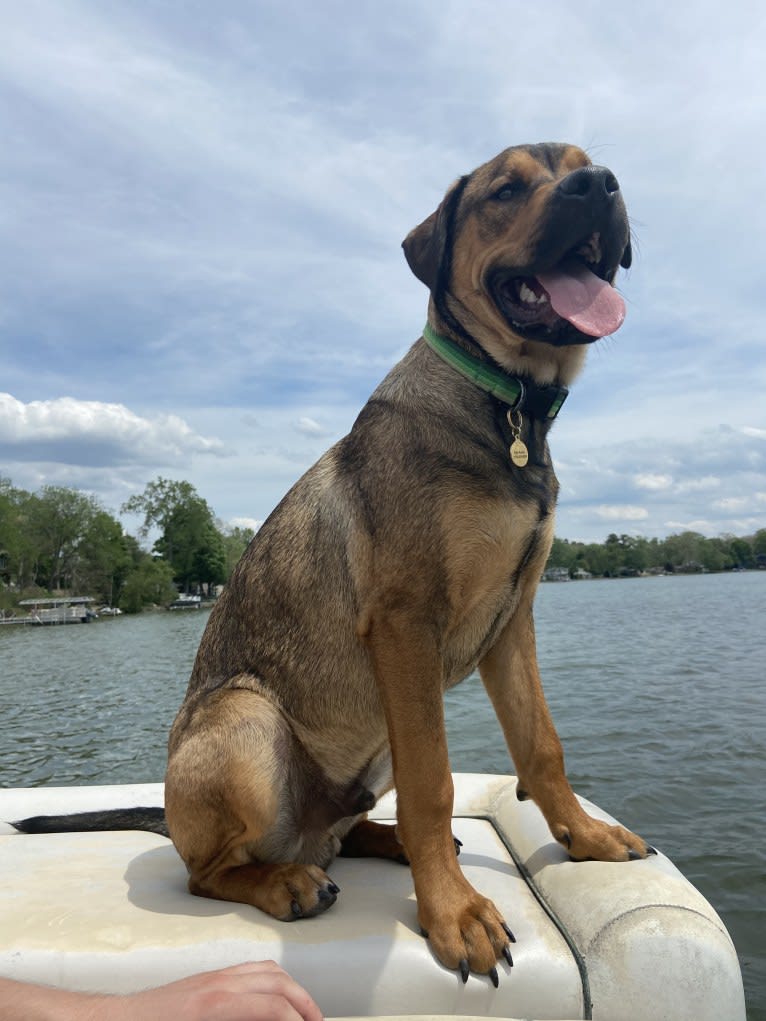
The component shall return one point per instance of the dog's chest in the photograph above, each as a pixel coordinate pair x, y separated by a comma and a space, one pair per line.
493, 559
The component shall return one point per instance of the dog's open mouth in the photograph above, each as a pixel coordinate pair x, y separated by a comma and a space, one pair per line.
572, 302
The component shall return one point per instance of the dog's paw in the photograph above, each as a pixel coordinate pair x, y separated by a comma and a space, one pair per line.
594, 840
300, 891
470, 937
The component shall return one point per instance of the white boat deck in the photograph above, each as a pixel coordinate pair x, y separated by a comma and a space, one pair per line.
110, 911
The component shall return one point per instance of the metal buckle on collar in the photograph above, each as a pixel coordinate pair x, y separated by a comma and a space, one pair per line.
518, 403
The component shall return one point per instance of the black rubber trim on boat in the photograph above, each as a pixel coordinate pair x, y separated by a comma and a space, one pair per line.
587, 1004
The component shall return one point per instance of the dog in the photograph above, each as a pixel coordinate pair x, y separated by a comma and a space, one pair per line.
405, 559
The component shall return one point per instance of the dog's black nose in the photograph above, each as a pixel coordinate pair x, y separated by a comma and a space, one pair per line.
589, 183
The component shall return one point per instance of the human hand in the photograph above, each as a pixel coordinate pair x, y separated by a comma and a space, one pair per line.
255, 991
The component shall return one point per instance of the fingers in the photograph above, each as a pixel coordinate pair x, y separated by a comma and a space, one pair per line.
270, 984
251, 968
252, 991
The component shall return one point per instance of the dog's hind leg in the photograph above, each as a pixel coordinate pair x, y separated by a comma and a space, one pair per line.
230, 807
369, 839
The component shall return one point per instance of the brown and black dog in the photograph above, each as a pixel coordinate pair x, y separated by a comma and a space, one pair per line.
404, 560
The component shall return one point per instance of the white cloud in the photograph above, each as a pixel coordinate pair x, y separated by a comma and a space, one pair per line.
78, 432
653, 482
737, 504
248, 524
701, 485
621, 512
702, 525
732, 503
309, 427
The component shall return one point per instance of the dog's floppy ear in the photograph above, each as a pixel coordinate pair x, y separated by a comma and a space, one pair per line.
425, 245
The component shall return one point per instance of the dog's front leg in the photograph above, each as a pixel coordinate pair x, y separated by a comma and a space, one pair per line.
512, 679
465, 929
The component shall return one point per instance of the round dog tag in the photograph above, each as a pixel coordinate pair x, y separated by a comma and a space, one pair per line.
519, 453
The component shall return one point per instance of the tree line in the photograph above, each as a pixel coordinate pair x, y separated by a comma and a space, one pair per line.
631, 555
62, 540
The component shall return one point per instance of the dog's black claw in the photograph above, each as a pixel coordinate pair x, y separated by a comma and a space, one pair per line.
494, 977
458, 845
521, 794
633, 855
296, 909
328, 895
508, 932
650, 849
423, 932
507, 956
464, 970
333, 888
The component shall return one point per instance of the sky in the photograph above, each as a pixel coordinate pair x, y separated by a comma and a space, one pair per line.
202, 207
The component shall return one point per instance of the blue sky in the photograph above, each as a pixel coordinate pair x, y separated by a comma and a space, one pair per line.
201, 212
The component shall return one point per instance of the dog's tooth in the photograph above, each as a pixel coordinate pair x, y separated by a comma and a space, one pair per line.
530, 297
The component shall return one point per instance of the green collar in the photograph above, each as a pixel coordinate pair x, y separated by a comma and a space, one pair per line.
541, 401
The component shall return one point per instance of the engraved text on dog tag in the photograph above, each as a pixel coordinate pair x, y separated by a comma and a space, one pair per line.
519, 453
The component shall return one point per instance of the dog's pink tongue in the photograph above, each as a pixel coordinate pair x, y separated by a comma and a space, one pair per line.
587, 301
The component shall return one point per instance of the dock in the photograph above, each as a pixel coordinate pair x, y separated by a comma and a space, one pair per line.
62, 610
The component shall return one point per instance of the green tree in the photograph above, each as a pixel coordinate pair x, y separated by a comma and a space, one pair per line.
562, 554
684, 550
741, 552
613, 555
149, 583
60, 538
105, 557
189, 540
11, 531
235, 542
634, 554
58, 520
655, 554
595, 559
193, 546
157, 504
210, 558
715, 555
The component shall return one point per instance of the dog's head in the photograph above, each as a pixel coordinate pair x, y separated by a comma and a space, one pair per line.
521, 256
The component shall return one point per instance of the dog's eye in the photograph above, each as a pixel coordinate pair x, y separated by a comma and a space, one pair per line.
508, 191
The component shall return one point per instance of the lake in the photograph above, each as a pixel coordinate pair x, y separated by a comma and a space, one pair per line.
656, 686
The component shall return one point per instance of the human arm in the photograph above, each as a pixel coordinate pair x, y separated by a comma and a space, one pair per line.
254, 991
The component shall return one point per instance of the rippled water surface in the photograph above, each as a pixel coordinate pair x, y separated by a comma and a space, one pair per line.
656, 686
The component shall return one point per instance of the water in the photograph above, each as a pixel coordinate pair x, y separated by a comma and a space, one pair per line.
656, 687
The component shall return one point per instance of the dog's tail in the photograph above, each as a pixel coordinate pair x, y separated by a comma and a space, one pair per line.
150, 819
